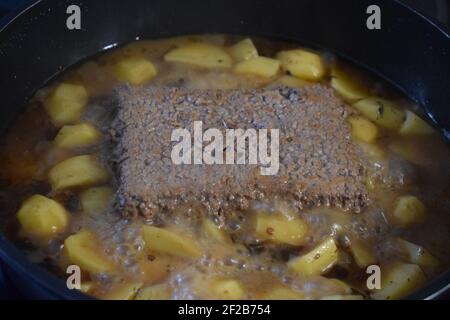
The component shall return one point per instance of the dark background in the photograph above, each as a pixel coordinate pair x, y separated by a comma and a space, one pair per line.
438, 10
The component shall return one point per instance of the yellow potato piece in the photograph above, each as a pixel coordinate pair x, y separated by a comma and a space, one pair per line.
363, 129
169, 242
86, 286
79, 171
123, 291
302, 64
317, 261
156, 292
278, 228
259, 66
200, 54
348, 87
42, 217
135, 70
224, 289
78, 135
95, 201
243, 50
408, 211
381, 111
414, 125
399, 281
212, 231
417, 254
282, 293
82, 249
293, 82
66, 103
344, 297
372, 151
363, 256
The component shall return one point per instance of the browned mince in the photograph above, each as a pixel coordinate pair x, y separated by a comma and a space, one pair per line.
27, 153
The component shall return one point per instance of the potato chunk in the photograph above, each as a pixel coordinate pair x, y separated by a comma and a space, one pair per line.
168, 242
348, 87
42, 217
344, 297
381, 111
302, 64
78, 135
66, 104
363, 129
243, 50
200, 54
95, 201
417, 254
408, 211
399, 281
212, 231
414, 125
278, 228
156, 292
217, 288
259, 66
318, 260
126, 290
363, 256
282, 293
135, 70
78, 171
83, 250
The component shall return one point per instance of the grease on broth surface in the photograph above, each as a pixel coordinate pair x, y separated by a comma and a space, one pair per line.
58, 149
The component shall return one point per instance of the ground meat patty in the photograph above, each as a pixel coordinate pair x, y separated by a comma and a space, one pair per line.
318, 163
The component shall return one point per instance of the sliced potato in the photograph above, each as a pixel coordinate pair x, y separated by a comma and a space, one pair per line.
409, 210
417, 254
79, 171
243, 50
212, 231
282, 293
200, 54
217, 288
126, 290
86, 286
372, 151
169, 242
42, 217
344, 297
156, 292
95, 201
381, 111
67, 103
278, 228
302, 64
399, 281
348, 87
363, 129
135, 70
363, 256
259, 66
83, 250
317, 261
78, 135
415, 125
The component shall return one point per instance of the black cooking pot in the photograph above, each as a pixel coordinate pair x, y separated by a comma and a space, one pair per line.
408, 51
